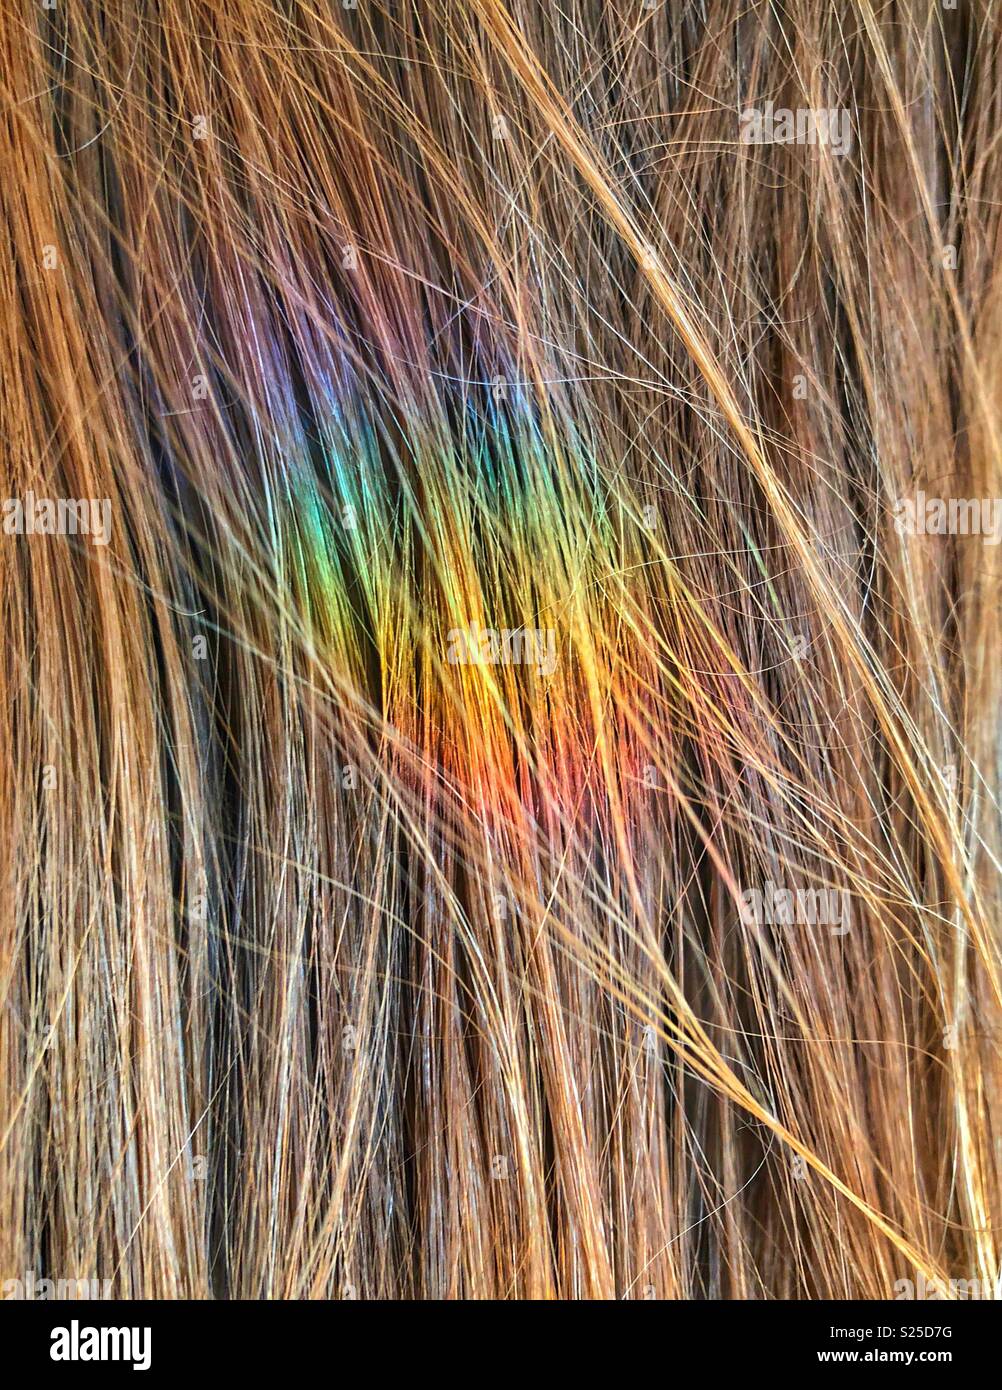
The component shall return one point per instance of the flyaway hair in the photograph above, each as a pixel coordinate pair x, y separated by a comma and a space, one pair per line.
499, 705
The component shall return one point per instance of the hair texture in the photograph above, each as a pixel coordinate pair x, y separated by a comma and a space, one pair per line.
507, 606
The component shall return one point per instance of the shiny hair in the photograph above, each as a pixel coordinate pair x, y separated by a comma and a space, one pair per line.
507, 807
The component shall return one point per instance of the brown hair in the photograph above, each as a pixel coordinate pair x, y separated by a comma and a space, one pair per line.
500, 755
